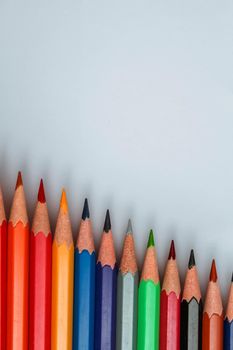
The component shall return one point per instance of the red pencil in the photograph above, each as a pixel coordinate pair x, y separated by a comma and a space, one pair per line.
40, 277
170, 305
3, 247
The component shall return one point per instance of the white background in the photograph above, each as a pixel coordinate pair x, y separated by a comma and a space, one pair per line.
129, 103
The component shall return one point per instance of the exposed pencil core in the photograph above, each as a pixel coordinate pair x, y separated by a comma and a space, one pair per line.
213, 272
151, 241
129, 228
19, 181
191, 260
172, 252
107, 223
63, 202
41, 193
86, 213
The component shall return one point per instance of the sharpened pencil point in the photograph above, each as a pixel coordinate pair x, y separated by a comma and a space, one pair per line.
86, 212
191, 260
151, 241
63, 202
19, 181
172, 252
213, 272
129, 228
41, 194
107, 222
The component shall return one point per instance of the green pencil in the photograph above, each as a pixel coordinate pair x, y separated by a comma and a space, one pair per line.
149, 301
127, 292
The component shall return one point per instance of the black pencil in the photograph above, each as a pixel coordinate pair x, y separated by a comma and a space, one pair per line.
191, 309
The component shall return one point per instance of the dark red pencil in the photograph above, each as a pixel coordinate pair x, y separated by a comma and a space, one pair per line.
40, 277
170, 305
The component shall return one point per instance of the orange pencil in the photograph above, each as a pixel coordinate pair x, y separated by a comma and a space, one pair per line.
17, 272
3, 257
62, 280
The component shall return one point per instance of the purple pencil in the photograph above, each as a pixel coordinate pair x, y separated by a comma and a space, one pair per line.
105, 302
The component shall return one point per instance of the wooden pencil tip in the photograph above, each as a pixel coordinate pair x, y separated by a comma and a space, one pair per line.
41, 193
19, 181
151, 241
129, 230
86, 212
107, 222
172, 252
213, 272
191, 260
63, 202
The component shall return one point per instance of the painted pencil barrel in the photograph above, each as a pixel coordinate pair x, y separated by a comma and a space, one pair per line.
105, 308
191, 322
148, 315
228, 335
17, 293
40, 292
212, 332
84, 300
62, 297
3, 271
127, 293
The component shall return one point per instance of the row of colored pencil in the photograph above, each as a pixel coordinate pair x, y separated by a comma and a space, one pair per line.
79, 302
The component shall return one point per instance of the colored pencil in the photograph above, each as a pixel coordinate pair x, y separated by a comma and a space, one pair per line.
191, 309
62, 280
17, 272
149, 301
127, 295
228, 321
170, 305
40, 277
106, 284
212, 326
84, 285
3, 260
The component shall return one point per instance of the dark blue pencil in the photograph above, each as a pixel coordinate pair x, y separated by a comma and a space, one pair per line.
84, 285
105, 302
228, 322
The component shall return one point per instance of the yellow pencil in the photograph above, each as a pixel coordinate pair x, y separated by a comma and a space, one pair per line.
62, 280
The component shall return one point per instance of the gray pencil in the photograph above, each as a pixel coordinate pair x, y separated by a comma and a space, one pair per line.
127, 294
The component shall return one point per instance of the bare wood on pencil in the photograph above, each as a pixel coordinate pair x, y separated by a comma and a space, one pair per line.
2, 209
85, 239
191, 285
41, 219
213, 302
171, 282
106, 252
18, 209
150, 267
63, 232
128, 259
